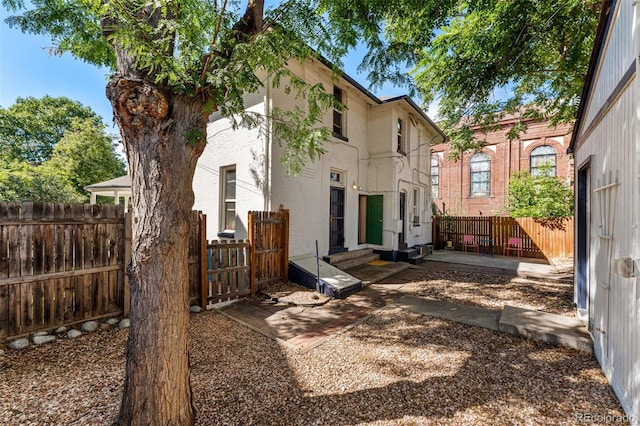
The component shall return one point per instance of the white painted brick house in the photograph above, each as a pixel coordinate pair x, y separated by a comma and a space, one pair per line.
371, 189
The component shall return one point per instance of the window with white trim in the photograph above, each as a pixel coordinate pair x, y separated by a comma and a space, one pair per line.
480, 175
401, 139
543, 161
338, 116
435, 176
228, 198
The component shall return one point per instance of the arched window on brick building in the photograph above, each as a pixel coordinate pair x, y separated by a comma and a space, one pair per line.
540, 156
480, 175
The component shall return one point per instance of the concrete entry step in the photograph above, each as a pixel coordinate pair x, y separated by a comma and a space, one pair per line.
372, 272
554, 329
347, 255
350, 263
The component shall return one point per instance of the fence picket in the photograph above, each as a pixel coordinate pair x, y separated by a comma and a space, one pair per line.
4, 311
4, 252
60, 301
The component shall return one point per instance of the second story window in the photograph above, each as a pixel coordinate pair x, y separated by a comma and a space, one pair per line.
338, 116
435, 177
542, 161
228, 204
480, 175
402, 149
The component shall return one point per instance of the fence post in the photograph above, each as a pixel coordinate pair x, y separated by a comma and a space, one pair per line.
285, 245
204, 260
127, 259
252, 252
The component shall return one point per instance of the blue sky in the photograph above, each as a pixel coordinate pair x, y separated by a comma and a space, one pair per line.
27, 69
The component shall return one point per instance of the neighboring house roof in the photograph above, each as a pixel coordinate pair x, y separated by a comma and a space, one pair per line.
589, 79
121, 184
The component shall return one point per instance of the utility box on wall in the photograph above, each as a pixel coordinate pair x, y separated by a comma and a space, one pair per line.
625, 267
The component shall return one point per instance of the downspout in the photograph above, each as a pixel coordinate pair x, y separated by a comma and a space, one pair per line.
460, 202
510, 161
266, 187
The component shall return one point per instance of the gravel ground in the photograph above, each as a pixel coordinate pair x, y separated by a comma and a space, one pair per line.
496, 291
395, 368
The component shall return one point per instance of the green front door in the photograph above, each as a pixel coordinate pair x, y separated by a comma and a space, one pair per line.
374, 219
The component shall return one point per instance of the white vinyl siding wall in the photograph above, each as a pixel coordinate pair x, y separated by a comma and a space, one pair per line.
613, 146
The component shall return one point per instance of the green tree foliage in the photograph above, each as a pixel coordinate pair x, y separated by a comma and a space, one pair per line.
20, 181
540, 196
51, 149
479, 60
85, 155
31, 127
202, 49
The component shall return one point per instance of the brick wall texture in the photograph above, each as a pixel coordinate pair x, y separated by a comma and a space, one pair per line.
454, 189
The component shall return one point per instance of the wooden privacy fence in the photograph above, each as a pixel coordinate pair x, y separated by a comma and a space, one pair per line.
59, 264
545, 239
65, 263
226, 271
62, 264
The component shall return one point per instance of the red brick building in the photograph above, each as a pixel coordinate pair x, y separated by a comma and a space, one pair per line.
477, 184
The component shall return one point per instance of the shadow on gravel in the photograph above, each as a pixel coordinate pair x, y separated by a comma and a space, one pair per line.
394, 367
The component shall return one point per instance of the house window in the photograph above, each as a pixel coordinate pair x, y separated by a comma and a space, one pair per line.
414, 208
480, 168
435, 176
338, 116
402, 149
542, 161
228, 217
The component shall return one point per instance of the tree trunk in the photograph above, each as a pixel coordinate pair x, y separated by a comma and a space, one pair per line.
163, 134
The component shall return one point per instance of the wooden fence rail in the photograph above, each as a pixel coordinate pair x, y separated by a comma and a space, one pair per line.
546, 239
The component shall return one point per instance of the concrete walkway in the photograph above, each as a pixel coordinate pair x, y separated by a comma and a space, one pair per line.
508, 265
304, 328
556, 330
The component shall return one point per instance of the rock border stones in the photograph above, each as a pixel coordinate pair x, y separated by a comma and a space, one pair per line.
42, 337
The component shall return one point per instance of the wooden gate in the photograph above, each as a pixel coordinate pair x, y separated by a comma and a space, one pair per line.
226, 271
232, 269
269, 238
